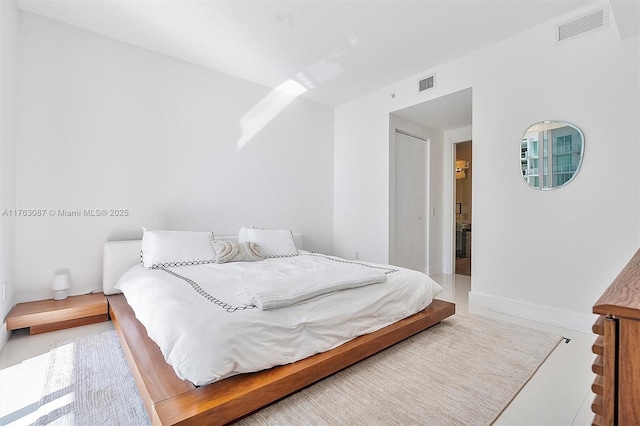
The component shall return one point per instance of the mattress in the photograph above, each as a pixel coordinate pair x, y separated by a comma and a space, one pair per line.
196, 316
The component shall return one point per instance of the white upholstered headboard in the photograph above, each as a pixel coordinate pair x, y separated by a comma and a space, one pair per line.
119, 256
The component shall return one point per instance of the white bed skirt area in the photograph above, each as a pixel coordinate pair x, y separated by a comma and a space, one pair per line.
207, 334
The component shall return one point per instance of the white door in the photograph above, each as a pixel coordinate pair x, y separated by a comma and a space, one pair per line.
410, 195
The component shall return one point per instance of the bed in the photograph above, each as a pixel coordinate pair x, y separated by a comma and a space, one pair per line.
173, 395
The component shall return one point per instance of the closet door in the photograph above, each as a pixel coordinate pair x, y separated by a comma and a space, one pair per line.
410, 198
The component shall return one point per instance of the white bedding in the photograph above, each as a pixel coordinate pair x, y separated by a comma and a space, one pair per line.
328, 276
206, 333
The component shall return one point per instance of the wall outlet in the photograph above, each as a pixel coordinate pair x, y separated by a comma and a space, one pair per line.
357, 254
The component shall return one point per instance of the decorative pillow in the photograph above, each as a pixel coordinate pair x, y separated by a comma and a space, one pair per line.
162, 249
230, 251
273, 242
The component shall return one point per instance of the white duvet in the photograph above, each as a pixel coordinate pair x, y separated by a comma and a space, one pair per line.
206, 333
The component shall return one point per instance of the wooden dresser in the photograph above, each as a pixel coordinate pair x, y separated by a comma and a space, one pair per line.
617, 365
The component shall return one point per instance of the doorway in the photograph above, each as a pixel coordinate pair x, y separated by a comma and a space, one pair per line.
463, 207
443, 121
411, 156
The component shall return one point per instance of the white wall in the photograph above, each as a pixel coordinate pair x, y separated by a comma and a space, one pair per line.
106, 125
543, 255
361, 179
8, 61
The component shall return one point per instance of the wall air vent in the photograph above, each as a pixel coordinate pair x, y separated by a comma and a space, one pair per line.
426, 83
587, 23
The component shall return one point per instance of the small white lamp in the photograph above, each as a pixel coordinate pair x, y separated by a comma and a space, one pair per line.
60, 285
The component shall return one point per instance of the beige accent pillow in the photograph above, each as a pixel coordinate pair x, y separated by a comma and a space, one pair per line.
230, 251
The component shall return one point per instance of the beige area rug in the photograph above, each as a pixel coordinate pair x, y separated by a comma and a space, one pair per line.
88, 382
464, 371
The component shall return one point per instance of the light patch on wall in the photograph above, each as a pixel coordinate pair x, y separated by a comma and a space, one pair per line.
267, 109
302, 78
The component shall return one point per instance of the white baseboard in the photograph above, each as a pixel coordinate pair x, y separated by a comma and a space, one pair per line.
4, 336
544, 314
436, 270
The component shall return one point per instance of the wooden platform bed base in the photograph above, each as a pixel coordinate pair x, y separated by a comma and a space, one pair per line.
172, 401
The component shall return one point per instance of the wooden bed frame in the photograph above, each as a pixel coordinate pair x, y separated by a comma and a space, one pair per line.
172, 401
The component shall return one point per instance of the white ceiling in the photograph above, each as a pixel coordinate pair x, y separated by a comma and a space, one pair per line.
452, 111
336, 51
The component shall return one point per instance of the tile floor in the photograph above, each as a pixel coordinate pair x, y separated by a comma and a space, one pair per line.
558, 394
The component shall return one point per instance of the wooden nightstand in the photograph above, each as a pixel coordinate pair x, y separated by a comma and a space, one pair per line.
50, 315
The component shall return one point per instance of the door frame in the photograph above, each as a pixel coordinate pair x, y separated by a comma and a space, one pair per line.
450, 199
392, 195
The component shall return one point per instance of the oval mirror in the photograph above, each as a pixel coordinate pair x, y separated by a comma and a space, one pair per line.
551, 154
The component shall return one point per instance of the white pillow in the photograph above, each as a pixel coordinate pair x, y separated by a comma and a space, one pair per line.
273, 242
243, 235
163, 249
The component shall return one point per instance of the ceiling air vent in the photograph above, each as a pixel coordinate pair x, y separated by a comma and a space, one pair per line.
426, 83
589, 22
